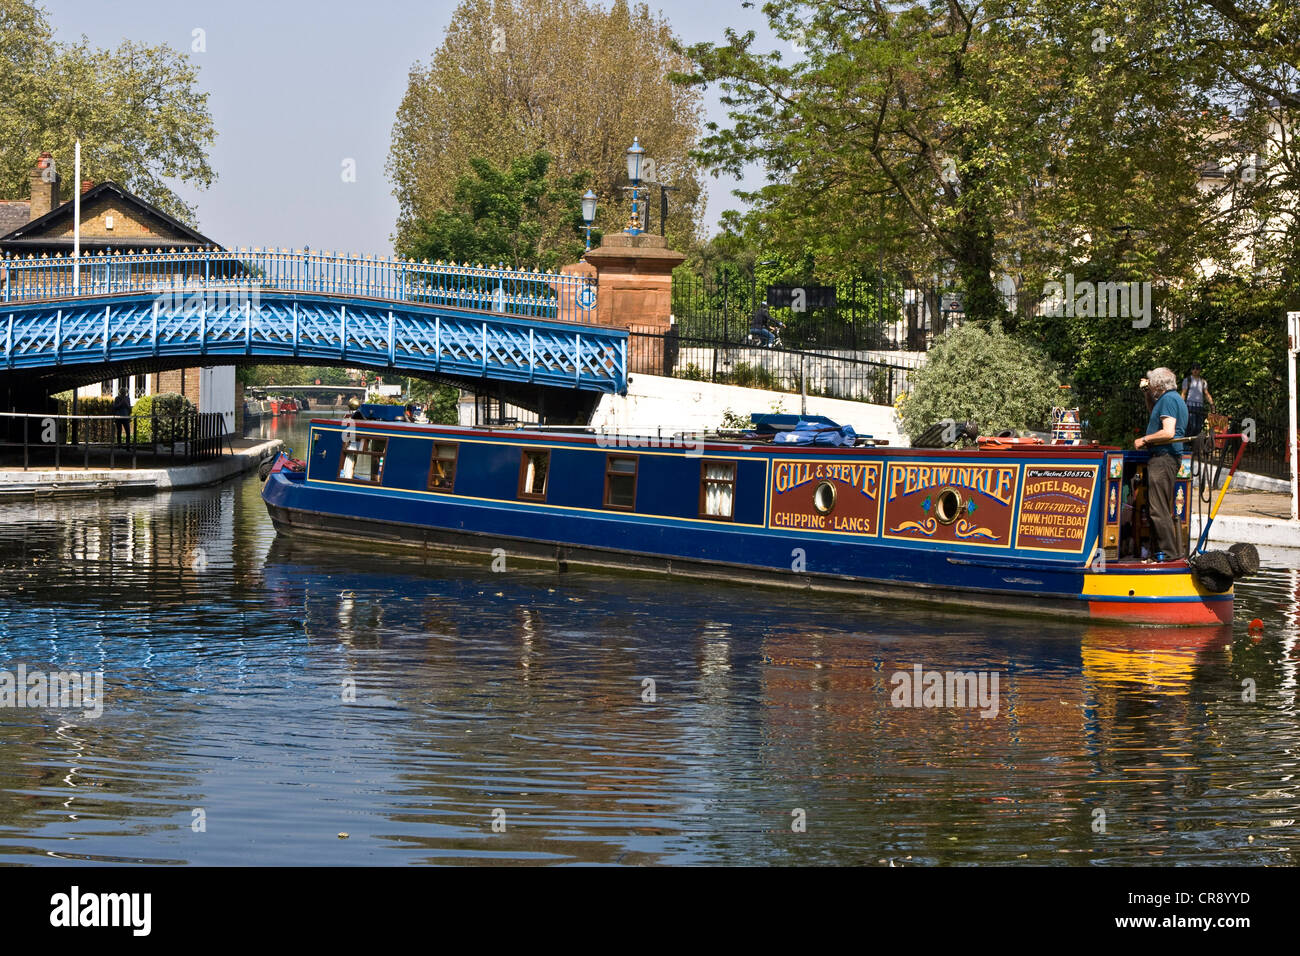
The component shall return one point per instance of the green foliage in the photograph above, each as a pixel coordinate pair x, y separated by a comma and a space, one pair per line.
524, 216
730, 421
1234, 327
96, 430
443, 408
440, 401
985, 376
166, 411
749, 376
576, 78
964, 140
692, 372
270, 375
878, 386
85, 406
138, 111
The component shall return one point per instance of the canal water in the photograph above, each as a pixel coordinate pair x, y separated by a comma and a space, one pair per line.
265, 696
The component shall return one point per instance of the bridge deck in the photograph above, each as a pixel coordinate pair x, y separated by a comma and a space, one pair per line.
408, 317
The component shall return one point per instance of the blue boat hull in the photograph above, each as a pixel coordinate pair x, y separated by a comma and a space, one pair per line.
990, 562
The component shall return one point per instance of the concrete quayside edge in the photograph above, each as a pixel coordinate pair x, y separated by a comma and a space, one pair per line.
69, 482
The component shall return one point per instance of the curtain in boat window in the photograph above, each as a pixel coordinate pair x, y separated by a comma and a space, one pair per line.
719, 489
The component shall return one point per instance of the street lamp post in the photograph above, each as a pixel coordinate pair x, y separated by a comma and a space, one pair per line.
589, 213
635, 157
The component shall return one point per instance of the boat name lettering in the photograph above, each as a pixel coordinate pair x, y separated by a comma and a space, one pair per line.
996, 481
792, 474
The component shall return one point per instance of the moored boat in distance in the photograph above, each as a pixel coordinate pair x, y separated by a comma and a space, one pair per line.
1006, 527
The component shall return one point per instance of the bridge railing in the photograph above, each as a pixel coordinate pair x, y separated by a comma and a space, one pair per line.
61, 440
544, 295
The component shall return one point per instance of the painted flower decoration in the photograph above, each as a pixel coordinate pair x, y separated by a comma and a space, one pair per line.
970, 506
925, 505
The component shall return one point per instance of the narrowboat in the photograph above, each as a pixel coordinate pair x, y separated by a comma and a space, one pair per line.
1044, 529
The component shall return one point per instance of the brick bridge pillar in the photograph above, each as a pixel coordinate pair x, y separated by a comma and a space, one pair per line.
634, 286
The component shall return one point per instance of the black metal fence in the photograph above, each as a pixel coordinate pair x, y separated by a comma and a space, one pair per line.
845, 374
105, 441
1267, 453
1269, 450
872, 313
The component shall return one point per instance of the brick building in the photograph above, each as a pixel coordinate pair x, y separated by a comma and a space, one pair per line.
113, 220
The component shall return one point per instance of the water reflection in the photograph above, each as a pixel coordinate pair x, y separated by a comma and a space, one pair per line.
292, 691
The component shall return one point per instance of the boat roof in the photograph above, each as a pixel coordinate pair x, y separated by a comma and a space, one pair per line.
721, 440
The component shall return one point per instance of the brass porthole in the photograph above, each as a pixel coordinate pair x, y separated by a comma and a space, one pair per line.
824, 498
947, 506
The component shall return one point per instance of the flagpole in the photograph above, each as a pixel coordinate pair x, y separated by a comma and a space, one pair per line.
76, 221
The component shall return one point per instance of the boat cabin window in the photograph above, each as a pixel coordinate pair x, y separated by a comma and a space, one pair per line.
363, 459
717, 489
442, 466
620, 482
533, 471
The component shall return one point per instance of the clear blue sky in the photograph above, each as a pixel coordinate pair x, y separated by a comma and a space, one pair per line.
297, 86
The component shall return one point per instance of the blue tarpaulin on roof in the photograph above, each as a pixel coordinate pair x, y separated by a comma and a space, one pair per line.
812, 433
767, 423
382, 413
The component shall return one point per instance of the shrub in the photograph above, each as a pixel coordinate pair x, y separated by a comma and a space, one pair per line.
878, 386
751, 376
98, 430
730, 420
692, 372
985, 376
168, 410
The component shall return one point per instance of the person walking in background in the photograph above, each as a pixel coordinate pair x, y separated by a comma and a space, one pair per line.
1166, 428
1196, 395
121, 412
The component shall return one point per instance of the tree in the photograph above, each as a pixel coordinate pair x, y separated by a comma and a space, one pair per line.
1257, 42
263, 375
971, 139
520, 216
1233, 327
441, 402
513, 77
984, 376
137, 110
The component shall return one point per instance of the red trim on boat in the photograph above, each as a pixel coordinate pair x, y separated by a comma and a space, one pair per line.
1158, 612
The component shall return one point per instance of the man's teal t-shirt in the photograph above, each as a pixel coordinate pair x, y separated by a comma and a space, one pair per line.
1168, 405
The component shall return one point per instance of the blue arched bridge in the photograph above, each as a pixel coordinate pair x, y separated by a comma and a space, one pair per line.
214, 307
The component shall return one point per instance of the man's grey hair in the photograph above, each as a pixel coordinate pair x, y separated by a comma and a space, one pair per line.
1162, 380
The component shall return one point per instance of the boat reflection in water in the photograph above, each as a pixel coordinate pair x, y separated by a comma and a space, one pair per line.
763, 704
